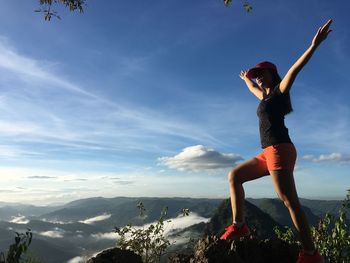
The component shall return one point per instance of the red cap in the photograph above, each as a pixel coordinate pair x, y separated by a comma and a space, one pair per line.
263, 65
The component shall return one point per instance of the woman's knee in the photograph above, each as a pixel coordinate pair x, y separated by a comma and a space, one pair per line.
234, 176
247, 171
291, 204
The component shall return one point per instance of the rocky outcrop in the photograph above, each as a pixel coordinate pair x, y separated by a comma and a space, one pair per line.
260, 247
246, 250
116, 255
258, 221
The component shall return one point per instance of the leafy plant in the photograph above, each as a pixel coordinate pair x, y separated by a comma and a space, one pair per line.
17, 251
286, 235
78, 5
331, 235
148, 242
246, 5
46, 7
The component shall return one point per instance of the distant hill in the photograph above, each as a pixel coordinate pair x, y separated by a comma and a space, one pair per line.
62, 237
321, 207
7, 210
262, 222
62, 232
51, 251
48, 251
8, 204
123, 210
259, 222
276, 209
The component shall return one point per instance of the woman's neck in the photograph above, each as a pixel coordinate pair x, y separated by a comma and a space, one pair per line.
267, 91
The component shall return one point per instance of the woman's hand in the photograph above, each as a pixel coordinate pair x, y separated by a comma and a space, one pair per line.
252, 86
243, 74
322, 33
292, 73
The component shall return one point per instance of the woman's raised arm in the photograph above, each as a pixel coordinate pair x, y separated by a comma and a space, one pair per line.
252, 86
292, 73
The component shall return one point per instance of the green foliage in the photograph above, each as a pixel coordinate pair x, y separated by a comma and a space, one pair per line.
17, 251
287, 235
148, 242
331, 235
246, 5
46, 7
78, 5
185, 211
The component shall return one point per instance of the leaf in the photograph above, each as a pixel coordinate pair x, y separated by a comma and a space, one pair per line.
247, 7
185, 212
227, 2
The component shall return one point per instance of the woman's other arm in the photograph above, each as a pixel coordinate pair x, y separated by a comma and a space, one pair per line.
292, 73
252, 86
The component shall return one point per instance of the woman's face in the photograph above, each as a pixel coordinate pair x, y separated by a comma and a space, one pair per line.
264, 79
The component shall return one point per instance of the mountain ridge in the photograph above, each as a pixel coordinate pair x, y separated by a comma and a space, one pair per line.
98, 235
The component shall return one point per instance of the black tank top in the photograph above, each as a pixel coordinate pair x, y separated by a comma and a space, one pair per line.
271, 119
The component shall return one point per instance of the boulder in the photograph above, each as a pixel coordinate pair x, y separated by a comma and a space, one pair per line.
210, 249
116, 255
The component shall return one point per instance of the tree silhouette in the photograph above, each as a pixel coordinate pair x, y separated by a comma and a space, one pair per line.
47, 7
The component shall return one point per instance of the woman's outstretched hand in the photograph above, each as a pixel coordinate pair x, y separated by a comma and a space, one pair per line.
322, 33
243, 74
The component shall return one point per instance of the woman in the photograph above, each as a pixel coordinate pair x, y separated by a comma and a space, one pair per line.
279, 155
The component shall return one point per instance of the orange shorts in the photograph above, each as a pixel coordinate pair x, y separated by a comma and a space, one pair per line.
278, 157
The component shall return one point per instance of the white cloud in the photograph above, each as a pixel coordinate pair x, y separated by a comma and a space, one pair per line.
41, 177
24, 66
78, 260
58, 191
19, 220
2, 190
93, 220
314, 131
10, 152
63, 186
110, 235
174, 225
80, 119
56, 233
309, 157
182, 222
337, 157
170, 226
56, 221
199, 158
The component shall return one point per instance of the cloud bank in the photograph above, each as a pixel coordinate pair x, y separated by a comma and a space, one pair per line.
182, 222
41, 177
337, 157
170, 226
56, 233
19, 220
200, 158
100, 236
78, 259
93, 220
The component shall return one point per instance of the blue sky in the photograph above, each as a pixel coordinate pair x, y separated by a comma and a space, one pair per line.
144, 99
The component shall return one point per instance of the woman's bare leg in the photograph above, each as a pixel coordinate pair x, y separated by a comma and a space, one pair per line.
284, 184
244, 172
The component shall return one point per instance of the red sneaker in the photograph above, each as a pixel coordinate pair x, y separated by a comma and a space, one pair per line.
315, 258
233, 231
